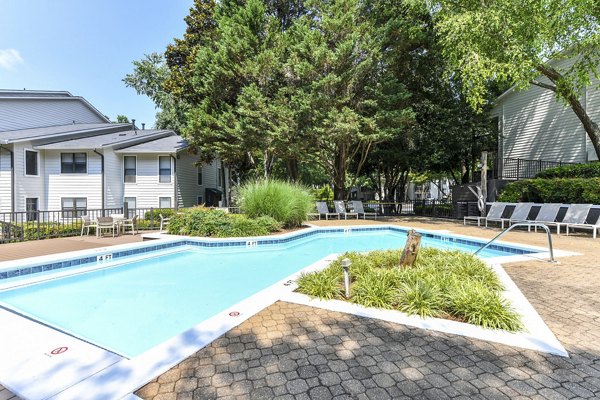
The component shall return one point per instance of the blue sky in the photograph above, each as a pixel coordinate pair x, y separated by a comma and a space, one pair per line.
86, 47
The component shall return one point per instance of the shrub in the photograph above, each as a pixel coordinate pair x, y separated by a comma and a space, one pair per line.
201, 221
155, 213
286, 202
591, 170
440, 283
576, 190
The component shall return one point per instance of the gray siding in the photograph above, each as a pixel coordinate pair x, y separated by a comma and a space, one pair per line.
188, 189
31, 113
534, 125
28, 186
113, 167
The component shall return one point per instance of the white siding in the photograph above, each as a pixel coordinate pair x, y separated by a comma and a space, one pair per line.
5, 181
535, 126
60, 185
26, 113
147, 189
113, 167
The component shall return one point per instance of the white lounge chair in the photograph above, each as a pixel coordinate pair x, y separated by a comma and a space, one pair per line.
576, 215
547, 214
340, 208
520, 213
358, 207
495, 212
322, 209
594, 227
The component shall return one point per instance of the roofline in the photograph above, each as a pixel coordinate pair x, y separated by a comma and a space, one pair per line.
59, 135
77, 98
130, 142
124, 148
35, 91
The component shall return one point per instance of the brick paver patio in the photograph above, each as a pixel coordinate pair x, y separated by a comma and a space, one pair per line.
289, 351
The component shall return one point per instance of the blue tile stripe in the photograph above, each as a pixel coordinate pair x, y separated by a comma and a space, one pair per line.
242, 243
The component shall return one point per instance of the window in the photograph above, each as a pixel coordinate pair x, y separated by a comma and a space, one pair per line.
164, 169
73, 163
199, 176
31, 162
130, 201
199, 200
31, 206
219, 178
129, 169
164, 202
73, 207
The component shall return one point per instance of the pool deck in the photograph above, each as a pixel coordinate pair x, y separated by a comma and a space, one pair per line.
290, 351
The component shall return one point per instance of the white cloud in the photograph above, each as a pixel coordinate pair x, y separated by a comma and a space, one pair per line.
10, 58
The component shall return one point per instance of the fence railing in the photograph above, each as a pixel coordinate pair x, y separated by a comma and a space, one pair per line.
37, 225
518, 168
428, 208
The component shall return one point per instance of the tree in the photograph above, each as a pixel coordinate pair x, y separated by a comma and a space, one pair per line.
122, 119
148, 78
549, 43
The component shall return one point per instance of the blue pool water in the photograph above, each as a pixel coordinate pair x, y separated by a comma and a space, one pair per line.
138, 305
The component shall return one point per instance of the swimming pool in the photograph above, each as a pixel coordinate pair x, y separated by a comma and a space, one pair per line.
132, 305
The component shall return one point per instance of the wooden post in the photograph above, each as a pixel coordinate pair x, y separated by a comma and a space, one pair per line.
409, 254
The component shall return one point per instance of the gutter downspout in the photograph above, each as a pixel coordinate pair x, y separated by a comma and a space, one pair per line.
102, 171
12, 178
176, 200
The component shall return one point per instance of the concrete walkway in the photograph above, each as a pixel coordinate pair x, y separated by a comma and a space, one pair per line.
290, 351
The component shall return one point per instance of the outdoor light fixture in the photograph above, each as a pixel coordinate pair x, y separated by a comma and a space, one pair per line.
346, 265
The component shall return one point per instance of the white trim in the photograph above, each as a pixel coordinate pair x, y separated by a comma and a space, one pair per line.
87, 162
136, 170
37, 160
170, 168
165, 197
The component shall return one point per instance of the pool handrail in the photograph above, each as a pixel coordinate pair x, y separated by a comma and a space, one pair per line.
529, 225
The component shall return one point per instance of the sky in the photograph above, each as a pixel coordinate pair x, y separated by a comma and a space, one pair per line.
86, 47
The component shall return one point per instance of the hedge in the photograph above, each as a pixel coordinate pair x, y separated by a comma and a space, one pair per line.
591, 170
575, 190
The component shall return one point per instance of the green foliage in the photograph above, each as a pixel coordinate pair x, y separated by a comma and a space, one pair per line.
156, 213
441, 283
122, 119
286, 202
478, 305
420, 298
323, 193
201, 221
590, 170
49, 229
576, 190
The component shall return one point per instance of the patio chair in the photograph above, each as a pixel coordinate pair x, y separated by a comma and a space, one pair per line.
496, 211
340, 208
322, 209
129, 223
357, 206
163, 221
547, 214
86, 224
594, 227
520, 213
576, 215
105, 223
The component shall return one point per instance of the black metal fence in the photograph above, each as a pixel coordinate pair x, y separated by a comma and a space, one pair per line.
518, 168
36, 225
428, 208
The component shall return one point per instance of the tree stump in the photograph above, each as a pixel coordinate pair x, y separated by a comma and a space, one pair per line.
409, 254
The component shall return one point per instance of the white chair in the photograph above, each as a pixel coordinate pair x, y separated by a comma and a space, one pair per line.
340, 208
576, 215
495, 212
519, 214
130, 223
358, 207
594, 227
163, 221
87, 223
105, 223
547, 214
322, 209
